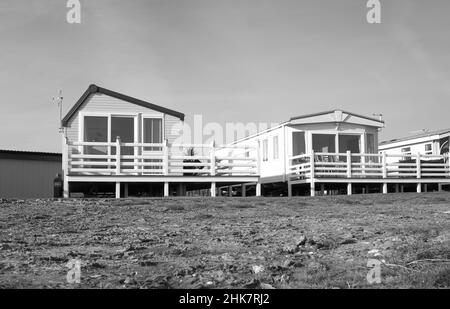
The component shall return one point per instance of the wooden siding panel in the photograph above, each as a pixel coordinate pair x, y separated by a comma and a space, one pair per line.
103, 103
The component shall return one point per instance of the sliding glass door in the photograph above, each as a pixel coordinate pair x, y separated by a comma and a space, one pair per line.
123, 127
152, 133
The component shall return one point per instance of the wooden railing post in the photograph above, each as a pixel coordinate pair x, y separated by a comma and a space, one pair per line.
165, 158
384, 164
118, 161
448, 162
65, 167
418, 166
213, 161
349, 164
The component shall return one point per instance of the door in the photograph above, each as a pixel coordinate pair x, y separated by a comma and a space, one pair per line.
124, 127
152, 133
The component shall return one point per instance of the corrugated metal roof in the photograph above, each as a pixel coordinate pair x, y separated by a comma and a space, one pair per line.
421, 135
30, 155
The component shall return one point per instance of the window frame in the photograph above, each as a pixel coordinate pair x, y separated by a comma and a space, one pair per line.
265, 150
276, 147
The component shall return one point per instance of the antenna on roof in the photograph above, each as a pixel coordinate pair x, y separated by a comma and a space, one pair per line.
380, 116
59, 100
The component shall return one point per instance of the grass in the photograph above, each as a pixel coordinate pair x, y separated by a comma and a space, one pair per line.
216, 242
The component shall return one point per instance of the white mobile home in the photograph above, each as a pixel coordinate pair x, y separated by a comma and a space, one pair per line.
325, 133
338, 151
434, 143
112, 140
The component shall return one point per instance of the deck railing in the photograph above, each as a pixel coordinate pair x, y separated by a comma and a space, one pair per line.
145, 159
370, 166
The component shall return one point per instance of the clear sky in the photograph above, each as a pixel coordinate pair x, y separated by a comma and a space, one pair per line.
230, 60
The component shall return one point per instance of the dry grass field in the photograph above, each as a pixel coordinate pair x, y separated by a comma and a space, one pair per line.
322, 242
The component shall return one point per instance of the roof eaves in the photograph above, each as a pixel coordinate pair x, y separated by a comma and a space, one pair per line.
92, 89
332, 111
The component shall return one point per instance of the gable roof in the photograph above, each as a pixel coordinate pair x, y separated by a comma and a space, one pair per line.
338, 115
412, 137
92, 89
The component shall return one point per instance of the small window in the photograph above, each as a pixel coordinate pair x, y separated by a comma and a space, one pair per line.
407, 152
275, 147
428, 149
265, 150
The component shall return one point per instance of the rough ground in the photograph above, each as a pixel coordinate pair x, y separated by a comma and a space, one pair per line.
322, 242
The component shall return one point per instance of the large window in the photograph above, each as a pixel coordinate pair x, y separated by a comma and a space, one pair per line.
298, 143
349, 143
370, 140
152, 132
95, 130
324, 143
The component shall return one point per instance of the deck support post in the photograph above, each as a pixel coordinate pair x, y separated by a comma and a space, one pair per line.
439, 187
289, 189
397, 188
425, 187
258, 189
66, 193
312, 174
166, 189
230, 191
385, 188
213, 189
402, 188
349, 188
117, 189
313, 188
419, 188
244, 190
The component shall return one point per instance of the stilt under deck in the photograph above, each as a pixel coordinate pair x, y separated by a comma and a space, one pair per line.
213, 181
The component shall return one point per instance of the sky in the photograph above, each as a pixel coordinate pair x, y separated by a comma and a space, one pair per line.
229, 60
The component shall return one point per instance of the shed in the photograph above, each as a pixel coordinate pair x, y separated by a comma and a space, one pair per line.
26, 174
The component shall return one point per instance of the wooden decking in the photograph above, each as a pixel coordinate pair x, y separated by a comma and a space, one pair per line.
143, 162
352, 168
